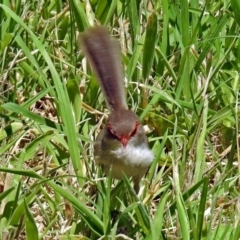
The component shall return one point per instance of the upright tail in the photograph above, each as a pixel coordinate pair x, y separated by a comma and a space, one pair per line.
103, 53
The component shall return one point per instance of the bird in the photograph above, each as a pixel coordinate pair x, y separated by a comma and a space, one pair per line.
121, 147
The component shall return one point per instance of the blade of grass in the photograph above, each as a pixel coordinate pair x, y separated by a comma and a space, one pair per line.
134, 21
201, 209
110, 12
149, 45
31, 228
63, 99
158, 220
79, 14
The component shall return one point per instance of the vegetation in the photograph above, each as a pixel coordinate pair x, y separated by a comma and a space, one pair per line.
181, 62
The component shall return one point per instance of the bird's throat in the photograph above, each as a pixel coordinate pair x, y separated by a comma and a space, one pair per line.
139, 155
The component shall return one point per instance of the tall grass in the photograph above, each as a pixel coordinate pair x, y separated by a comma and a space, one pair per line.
181, 67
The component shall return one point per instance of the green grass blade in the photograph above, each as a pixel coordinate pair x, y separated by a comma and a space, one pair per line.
200, 157
158, 220
5, 193
63, 99
149, 45
33, 116
132, 65
111, 11
236, 10
74, 96
31, 228
134, 21
185, 22
201, 209
9, 130
80, 15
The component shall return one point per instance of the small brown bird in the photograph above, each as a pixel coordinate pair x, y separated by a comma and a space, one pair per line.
122, 145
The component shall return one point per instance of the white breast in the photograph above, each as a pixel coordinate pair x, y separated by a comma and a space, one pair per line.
134, 155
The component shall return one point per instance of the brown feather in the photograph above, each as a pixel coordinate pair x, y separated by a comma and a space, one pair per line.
103, 53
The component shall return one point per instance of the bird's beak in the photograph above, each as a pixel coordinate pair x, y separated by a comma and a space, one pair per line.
124, 141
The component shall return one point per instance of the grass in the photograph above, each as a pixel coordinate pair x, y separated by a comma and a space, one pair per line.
181, 65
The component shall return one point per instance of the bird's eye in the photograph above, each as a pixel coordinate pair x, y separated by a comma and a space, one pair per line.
135, 129
111, 130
